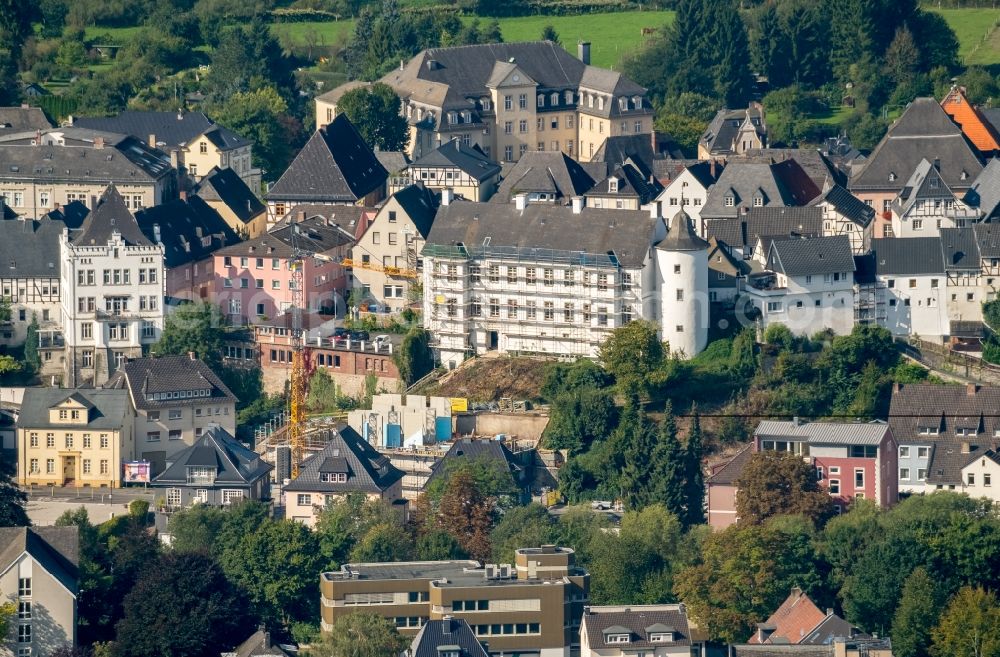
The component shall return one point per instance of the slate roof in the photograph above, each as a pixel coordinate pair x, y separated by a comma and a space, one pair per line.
780, 185
111, 408
110, 216
722, 129
235, 465
447, 632
468, 159
846, 204
730, 472
258, 644
492, 452
820, 170
189, 230
172, 129
420, 204
22, 119
30, 248
985, 191
167, 374
702, 172
830, 628
923, 131
913, 256
766, 224
56, 549
123, 160
619, 149
392, 161
792, 620
631, 184
72, 214
639, 621
346, 451
818, 255
225, 186
542, 230
353, 219
824, 433
335, 166
681, 235
334, 95
545, 172
961, 250
924, 184
315, 234
974, 125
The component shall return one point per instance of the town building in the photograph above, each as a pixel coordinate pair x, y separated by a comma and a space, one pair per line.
725, 273
255, 279
749, 236
217, 469
682, 282
845, 214
111, 280
228, 194
510, 99
721, 488
29, 277
926, 204
190, 232
448, 637
690, 190
533, 606
386, 261
852, 460
396, 420
22, 119
175, 399
629, 186
455, 166
911, 276
745, 185
347, 464
512, 470
335, 167
621, 631
261, 644
39, 575
533, 278
76, 438
34, 178
974, 124
861, 646
734, 132
549, 178
200, 144
819, 169
798, 621
948, 437
647, 151
923, 130
806, 284
984, 194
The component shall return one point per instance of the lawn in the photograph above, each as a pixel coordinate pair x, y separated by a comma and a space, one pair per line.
612, 35
118, 35
971, 27
326, 33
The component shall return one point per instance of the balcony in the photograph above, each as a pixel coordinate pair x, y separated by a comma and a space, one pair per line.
51, 340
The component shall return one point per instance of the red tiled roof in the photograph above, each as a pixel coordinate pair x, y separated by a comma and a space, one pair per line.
974, 125
793, 620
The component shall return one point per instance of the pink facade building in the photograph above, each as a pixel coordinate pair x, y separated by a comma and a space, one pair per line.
254, 279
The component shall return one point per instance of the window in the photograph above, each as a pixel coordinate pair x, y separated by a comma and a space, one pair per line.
918, 224
549, 311
304, 499
24, 587
104, 466
512, 309
859, 478
522, 101
508, 153
494, 307
904, 473
680, 294
864, 451
86, 466
24, 610
904, 452
24, 634
987, 479
531, 309
970, 478
50, 440
104, 441
921, 474
34, 466
618, 638
229, 496
835, 486
69, 441
530, 275
923, 452
774, 306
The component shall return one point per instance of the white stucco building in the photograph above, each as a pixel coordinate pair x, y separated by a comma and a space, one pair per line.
689, 190
112, 281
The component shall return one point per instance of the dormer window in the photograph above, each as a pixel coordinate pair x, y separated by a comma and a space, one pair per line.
758, 201
487, 104
540, 101
452, 117
623, 103
637, 101
333, 477
964, 175
730, 201
600, 102
928, 431
613, 185
892, 176
466, 116
569, 97
661, 637
618, 638
554, 99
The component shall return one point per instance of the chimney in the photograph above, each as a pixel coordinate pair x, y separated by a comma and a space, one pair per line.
577, 204
797, 423
93, 202
520, 200
937, 164
446, 196
302, 215
583, 51
970, 389
711, 168
446, 625
829, 611
191, 355
966, 447
895, 386
152, 141
156, 233
174, 159
98, 142
400, 64
183, 194
654, 210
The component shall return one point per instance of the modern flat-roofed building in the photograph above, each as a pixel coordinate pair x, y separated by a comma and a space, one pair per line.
532, 607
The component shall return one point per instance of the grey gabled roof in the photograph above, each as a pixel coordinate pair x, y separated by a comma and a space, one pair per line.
110, 216
56, 549
393, 161
225, 186
618, 149
30, 248
948, 405
721, 131
985, 191
632, 183
492, 452
111, 408
961, 251
542, 230
452, 632
420, 204
173, 129
335, 165
315, 234
824, 433
818, 255
346, 451
923, 131
234, 464
189, 230
259, 644
545, 172
846, 204
168, 374
22, 119
783, 184
469, 159
913, 256
819, 169
638, 621
124, 160
924, 184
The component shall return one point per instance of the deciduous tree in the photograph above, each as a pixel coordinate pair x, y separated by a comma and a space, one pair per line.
468, 515
375, 112
359, 635
195, 327
632, 353
778, 483
969, 626
414, 358
917, 613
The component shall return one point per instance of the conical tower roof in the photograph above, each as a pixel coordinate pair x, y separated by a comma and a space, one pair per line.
681, 235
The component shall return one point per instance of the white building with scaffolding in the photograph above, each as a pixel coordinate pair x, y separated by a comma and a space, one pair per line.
552, 280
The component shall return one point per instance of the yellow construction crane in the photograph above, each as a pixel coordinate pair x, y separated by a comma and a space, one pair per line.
401, 272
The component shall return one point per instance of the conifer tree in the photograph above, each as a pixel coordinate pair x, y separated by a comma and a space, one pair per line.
668, 463
694, 478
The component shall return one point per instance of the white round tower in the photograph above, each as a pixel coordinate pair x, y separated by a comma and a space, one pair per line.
682, 274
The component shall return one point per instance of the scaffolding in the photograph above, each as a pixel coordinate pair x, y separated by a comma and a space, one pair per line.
569, 297
869, 303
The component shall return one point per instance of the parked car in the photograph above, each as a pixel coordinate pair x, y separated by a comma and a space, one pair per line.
602, 505
359, 335
381, 341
